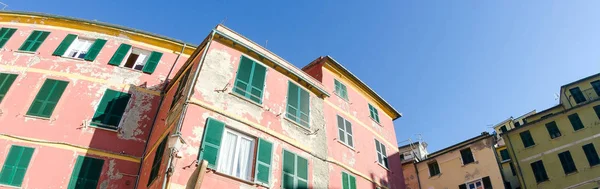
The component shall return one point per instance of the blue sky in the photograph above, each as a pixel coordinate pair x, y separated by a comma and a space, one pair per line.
453, 69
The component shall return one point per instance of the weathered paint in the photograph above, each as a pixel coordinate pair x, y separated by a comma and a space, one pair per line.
67, 134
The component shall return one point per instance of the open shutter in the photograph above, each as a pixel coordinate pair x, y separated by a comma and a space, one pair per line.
462, 186
263, 161
211, 142
384, 155
121, 52
6, 80
5, 34
152, 62
487, 183
95, 50
64, 45
111, 109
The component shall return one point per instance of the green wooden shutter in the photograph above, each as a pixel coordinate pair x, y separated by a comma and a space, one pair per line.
250, 79
352, 181
152, 62
6, 80
292, 102
341, 129
34, 41
384, 155
111, 109
211, 142
15, 165
47, 98
86, 173
258, 82
263, 161
373, 113
288, 170
298, 106
487, 183
121, 52
345, 181
64, 45
243, 76
95, 50
304, 107
5, 34
301, 172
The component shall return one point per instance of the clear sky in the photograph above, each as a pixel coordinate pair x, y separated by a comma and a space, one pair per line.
453, 69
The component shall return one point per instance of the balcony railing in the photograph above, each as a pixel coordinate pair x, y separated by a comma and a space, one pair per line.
588, 94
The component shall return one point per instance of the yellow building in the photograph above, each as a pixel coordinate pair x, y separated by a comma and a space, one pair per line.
470, 164
558, 147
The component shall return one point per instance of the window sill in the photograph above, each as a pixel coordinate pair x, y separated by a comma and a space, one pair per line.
387, 169
345, 99
26, 52
544, 181
234, 178
36, 117
556, 138
505, 161
529, 147
375, 121
297, 124
102, 128
129, 69
344, 144
246, 99
571, 173
437, 175
77, 59
9, 186
584, 128
474, 162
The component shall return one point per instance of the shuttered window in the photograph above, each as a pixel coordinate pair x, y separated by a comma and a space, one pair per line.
77, 47
381, 154
595, 85
6, 80
575, 121
33, 42
577, 95
295, 171
250, 79
527, 139
591, 154
467, 156
539, 171
483, 183
597, 110
345, 131
211, 142
298, 104
180, 87
348, 181
503, 129
136, 58
263, 161
47, 98
15, 166
86, 173
5, 34
374, 114
110, 110
434, 168
504, 155
566, 160
340, 89
158, 155
553, 130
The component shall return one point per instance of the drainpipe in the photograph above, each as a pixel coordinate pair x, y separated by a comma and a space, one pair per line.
520, 176
417, 171
162, 97
185, 105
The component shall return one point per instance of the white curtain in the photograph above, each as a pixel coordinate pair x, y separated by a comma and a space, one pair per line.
244, 167
227, 154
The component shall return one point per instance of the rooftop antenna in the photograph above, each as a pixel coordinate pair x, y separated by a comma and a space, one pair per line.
266, 43
3, 5
223, 21
556, 97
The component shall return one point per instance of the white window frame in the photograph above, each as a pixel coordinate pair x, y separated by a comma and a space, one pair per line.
345, 132
439, 167
76, 46
138, 62
382, 146
474, 182
236, 154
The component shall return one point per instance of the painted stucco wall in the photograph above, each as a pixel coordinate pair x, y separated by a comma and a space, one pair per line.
411, 179
453, 173
509, 175
65, 135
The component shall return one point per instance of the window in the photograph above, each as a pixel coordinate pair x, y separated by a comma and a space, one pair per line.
575, 121
340, 89
401, 156
539, 171
345, 131
348, 181
232, 153
34, 41
504, 155
47, 98
567, 162
110, 110
158, 155
373, 113
595, 85
15, 166
434, 168
6, 80
295, 171
597, 110
180, 87
298, 103
483, 183
81, 48
5, 34
381, 154
135, 58
512, 169
527, 139
467, 156
577, 95
86, 173
250, 80
517, 124
503, 129
553, 130
591, 154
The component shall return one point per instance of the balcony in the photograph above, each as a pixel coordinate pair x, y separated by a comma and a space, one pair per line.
588, 95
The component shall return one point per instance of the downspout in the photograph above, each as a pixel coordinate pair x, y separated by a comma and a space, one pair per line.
520, 176
185, 105
417, 171
162, 97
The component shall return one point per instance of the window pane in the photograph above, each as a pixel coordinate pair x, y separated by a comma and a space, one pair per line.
244, 168
226, 157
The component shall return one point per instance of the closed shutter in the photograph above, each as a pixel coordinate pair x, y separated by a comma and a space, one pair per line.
462, 186
292, 104
304, 107
47, 98
152, 62
250, 79
384, 155
95, 49
5, 34
33, 42
345, 181
352, 181
298, 107
64, 45
121, 52
373, 113
302, 172
15, 165
111, 109
243, 76
86, 173
295, 171
211, 142
263, 161
487, 183
258, 82
6, 80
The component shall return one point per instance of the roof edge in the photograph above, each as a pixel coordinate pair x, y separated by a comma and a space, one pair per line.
443, 151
